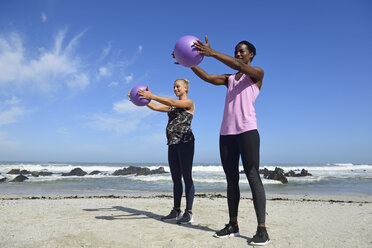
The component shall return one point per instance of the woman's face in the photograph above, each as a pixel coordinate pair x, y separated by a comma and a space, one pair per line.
242, 53
179, 88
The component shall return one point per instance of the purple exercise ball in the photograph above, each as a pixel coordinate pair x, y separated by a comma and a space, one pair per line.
186, 53
136, 98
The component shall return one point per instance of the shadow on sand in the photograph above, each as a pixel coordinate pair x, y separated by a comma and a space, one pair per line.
131, 213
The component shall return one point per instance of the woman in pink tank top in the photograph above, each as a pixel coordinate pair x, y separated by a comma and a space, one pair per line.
239, 136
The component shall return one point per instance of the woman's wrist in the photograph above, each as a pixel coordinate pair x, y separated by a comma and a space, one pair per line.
214, 53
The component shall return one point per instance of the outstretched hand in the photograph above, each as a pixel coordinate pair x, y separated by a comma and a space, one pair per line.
128, 95
175, 58
204, 49
145, 93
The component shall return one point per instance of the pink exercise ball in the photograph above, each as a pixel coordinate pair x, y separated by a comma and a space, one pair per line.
186, 53
136, 98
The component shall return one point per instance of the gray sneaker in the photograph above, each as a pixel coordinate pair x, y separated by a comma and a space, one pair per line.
174, 215
186, 218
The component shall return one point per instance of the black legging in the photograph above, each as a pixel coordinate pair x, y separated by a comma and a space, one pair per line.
180, 159
247, 145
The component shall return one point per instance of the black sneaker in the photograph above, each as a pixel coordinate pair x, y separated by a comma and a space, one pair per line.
186, 218
261, 238
174, 215
230, 230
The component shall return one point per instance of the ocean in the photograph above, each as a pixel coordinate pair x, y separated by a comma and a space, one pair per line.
327, 179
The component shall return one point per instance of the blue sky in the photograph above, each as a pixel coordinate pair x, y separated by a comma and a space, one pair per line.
66, 66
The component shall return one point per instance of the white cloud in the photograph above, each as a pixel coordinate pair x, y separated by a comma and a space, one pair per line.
43, 17
10, 111
104, 71
48, 71
72, 45
125, 118
125, 106
79, 81
11, 115
113, 84
11, 56
115, 66
14, 100
105, 52
117, 125
129, 78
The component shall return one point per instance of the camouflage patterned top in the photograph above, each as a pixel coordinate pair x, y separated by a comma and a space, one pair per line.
179, 126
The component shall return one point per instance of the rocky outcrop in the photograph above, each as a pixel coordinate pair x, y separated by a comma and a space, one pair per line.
41, 173
95, 172
126, 171
277, 174
14, 172
19, 172
138, 171
75, 172
143, 172
26, 172
303, 173
19, 178
160, 170
2, 179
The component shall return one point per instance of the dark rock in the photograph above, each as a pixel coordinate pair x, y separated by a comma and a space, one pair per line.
75, 172
118, 172
19, 172
127, 171
143, 172
278, 169
95, 172
290, 173
303, 173
265, 172
19, 178
277, 174
41, 173
35, 174
160, 170
2, 179
139, 171
14, 172
280, 177
132, 170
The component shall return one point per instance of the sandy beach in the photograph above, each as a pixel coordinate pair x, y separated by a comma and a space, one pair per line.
134, 221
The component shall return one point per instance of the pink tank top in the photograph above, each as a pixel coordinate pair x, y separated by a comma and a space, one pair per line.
239, 115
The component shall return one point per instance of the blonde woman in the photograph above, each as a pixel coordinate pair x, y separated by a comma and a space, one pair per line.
180, 145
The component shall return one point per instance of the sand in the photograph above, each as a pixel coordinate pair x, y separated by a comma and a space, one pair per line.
134, 221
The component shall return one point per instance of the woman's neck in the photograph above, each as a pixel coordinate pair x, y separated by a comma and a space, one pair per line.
183, 97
